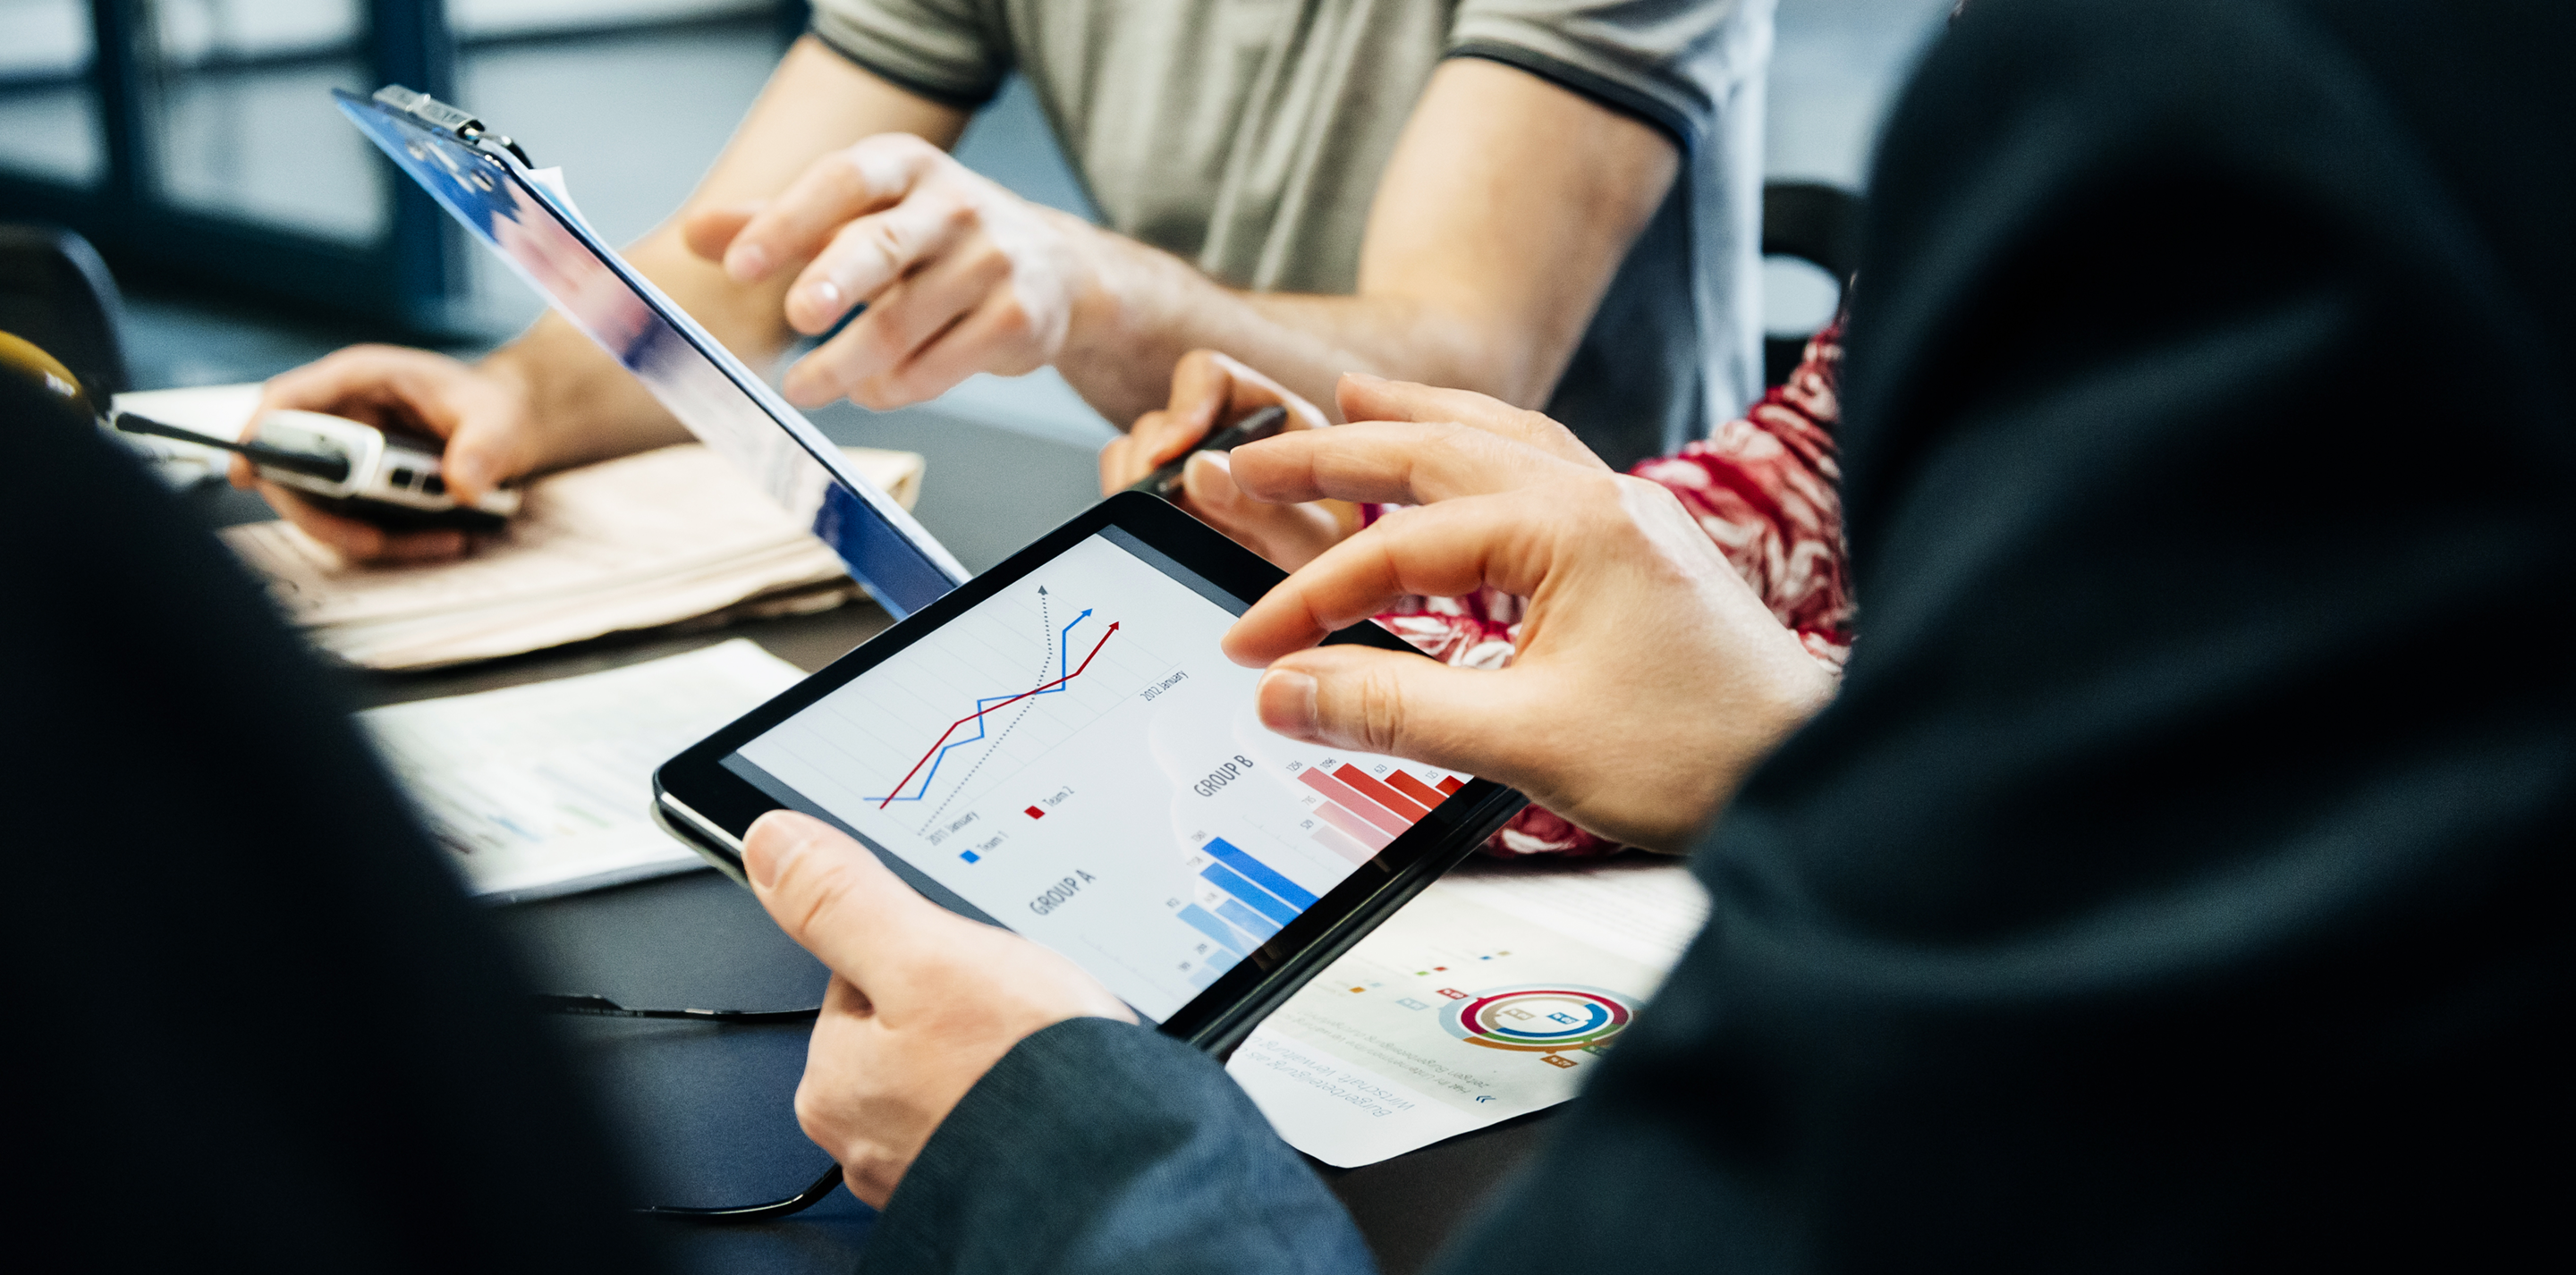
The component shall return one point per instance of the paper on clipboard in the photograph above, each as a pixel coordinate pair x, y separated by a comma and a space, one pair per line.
528, 219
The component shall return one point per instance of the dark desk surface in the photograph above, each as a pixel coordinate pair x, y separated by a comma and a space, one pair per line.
707, 1111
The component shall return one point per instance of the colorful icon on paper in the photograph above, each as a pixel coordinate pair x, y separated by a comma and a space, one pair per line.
1540, 1018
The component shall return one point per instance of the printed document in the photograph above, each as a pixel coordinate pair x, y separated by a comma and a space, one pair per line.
1492, 995
541, 790
633, 543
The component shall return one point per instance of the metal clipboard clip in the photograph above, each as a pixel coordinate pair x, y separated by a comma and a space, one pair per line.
431, 113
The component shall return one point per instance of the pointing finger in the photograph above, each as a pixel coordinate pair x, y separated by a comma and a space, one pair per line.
1289, 536
851, 182
1444, 550
871, 253
1392, 462
1369, 398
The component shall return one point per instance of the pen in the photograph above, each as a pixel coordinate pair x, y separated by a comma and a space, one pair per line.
1165, 482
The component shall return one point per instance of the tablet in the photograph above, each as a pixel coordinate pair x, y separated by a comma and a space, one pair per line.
1060, 748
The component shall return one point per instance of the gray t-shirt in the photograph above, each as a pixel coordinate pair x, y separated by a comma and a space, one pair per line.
1248, 136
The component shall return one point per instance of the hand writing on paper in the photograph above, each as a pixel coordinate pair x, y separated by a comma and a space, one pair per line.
922, 1001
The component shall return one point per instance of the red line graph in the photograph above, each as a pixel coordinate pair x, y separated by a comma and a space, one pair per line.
933, 750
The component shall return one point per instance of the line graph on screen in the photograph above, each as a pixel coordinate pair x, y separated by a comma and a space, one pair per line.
936, 756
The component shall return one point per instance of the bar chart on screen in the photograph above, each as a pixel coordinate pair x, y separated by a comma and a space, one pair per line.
1357, 814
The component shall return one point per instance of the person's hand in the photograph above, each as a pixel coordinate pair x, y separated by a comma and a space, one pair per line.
958, 275
1211, 390
1649, 678
482, 412
922, 1001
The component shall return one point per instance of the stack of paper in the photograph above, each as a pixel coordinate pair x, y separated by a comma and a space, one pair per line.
542, 789
641, 542
648, 540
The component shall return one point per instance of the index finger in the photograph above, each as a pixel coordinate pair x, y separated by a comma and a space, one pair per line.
383, 386
1392, 462
846, 184
1444, 550
1371, 398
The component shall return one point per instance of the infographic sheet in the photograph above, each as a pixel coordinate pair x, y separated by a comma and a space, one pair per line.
1492, 995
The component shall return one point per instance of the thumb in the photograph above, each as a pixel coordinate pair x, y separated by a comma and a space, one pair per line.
485, 453
1399, 704
832, 896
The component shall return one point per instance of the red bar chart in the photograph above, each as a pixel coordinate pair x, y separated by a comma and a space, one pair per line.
1361, 814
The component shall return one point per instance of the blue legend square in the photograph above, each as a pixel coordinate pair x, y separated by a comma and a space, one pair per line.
970, 856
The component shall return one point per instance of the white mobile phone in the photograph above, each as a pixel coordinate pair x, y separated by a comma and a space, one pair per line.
391, 479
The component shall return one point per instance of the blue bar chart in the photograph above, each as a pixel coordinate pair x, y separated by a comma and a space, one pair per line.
1258, 899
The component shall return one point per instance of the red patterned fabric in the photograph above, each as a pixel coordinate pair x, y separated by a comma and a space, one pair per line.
1765, 489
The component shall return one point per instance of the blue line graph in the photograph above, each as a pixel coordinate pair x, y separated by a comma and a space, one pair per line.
1064, 647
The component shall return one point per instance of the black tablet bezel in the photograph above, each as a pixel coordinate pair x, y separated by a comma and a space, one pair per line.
699, 790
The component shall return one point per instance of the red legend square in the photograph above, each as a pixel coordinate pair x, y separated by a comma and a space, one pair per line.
1035, 813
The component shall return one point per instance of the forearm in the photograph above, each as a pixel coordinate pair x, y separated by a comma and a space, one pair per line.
1153, 307
1498, 225
587, 405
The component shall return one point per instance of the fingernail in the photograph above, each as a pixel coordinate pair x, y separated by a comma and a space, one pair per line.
471, 472
827, 294
1288, 702
773, 843
1197, 480
750, 262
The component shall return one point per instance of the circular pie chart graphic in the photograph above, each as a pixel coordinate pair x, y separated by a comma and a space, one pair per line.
1539, 1018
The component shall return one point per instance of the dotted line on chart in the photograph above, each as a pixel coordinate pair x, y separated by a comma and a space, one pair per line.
1046, 628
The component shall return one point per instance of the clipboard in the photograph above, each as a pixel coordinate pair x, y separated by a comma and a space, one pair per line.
524, 215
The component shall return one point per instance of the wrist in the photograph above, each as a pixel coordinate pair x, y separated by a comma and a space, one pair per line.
1101, 293
574, 404
1119, 346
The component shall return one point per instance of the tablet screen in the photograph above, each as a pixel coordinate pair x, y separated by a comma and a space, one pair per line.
1073, 758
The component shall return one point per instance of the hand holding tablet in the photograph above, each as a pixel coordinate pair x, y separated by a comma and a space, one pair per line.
1061, 748
922, 1001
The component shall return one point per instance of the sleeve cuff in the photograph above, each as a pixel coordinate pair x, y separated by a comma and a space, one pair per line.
1627, 99
964, 94
1104, 1145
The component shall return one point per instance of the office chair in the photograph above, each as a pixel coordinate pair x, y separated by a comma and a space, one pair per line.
55, 292
1814, 223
